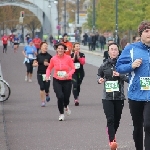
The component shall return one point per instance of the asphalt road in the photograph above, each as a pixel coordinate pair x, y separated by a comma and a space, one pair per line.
30, 127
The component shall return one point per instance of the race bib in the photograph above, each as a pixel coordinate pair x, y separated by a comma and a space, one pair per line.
77, 65
44, 77
145, 83
111, 86
61, 73
30, 56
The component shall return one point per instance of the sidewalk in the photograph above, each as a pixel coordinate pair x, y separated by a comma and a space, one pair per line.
97, 52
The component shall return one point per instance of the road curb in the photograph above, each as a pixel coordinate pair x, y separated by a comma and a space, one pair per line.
92, 52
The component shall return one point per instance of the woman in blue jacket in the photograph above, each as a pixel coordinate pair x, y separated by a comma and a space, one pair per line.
135, 60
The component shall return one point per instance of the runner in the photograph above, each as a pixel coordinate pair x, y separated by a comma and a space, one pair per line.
79, 60
16, 43
37, 41
11, 37
113, 100
63, 71
30, 53
5, 42
135, 60
42, 62
67, 43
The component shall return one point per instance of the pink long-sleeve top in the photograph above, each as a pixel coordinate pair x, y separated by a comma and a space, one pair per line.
61, 64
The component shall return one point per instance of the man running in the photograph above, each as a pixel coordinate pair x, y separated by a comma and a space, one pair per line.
11, 37
5, 42
135, 60
37, 41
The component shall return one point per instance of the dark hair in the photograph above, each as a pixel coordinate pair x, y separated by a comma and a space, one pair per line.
42, 44
60, 44
143, 26
65, 34
113, 44
134, 38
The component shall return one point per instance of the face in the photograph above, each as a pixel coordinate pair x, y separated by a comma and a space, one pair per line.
77, 47
113, 51
145, 37
60, 50
44, 47
65, 38
31, 43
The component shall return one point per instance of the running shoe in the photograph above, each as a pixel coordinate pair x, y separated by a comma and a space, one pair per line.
47, 98
113, 145
26, 78
76, 102
67, 111
61, 117
43, 104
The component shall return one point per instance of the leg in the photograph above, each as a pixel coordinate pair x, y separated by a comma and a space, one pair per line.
57, 85
136, 110
108, 107
30, 70
5, 48
41, 84
119, 104
74, 88
80, 78
147, 125
67, 92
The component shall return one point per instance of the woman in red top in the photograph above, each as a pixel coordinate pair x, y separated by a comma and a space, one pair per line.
63, 71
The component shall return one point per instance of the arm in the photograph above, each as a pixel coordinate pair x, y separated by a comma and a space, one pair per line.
100, 73
71, 64
49, 68
35, 63
124, 62
23, 52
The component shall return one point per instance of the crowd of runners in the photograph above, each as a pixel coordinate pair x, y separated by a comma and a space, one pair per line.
131, 65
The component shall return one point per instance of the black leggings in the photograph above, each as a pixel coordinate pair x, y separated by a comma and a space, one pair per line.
76, 82
44, 86
113, 111
140, 112
29, 66
4, 47
62, 88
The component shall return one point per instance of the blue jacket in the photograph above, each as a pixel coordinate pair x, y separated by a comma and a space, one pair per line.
124, 65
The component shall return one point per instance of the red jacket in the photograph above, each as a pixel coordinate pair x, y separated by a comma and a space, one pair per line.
37, 42
5, 39
69, 46
61, 64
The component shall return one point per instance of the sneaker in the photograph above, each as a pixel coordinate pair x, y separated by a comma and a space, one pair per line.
67, 111
26, 78
43, 104
113, 145
30, 80
47, 98
76, 102
61, 117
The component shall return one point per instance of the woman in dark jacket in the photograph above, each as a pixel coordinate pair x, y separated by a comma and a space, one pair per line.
113, 100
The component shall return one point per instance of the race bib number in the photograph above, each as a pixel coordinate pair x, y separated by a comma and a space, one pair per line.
111, 86
30, 56
145, 83
77, 65
44, 77
61, 73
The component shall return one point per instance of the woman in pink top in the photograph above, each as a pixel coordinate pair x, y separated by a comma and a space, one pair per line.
63, 71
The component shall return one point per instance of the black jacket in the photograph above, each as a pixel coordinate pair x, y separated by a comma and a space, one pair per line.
106, 71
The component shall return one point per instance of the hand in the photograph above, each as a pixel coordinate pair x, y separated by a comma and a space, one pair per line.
46, 79
115, 73
46, 63
101, 80
136, 63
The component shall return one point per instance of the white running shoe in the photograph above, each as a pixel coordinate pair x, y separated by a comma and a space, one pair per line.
26, 78
30, 80
67, 111
61, 117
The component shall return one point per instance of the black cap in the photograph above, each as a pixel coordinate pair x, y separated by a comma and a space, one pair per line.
56, 46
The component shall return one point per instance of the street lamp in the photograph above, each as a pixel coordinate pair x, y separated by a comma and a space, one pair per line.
64, 16
116, 30
93, 16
